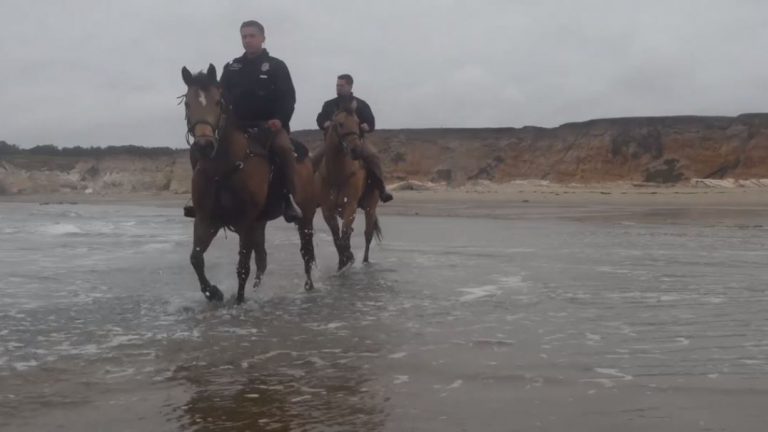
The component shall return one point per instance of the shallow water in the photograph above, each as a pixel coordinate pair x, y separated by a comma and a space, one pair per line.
458, 324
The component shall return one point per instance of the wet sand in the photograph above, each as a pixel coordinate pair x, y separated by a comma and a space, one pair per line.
490, 200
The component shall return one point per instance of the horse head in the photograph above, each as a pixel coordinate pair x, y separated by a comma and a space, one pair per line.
344, 134
205, 110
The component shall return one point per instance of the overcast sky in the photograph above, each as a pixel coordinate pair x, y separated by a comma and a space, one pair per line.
108, 72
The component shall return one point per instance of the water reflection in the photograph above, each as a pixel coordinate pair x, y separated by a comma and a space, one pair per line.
292, 363
293, 397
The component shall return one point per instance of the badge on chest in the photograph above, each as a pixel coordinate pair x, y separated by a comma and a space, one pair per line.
264, 69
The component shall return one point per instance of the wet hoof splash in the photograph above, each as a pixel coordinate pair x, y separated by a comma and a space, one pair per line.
345, 265
213, 294
309, 285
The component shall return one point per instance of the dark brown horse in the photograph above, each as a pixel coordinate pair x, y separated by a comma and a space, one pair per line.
343, 185
233, 185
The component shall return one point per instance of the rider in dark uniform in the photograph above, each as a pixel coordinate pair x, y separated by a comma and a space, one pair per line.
259, 89
367, 124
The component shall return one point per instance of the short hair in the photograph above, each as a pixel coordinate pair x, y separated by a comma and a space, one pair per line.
347, 78
252, 23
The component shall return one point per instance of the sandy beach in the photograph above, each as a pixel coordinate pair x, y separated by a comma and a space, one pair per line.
487, 199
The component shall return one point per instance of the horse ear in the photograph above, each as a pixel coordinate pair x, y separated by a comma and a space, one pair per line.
212, 77
186, 75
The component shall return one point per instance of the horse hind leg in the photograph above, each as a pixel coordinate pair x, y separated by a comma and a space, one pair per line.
368, 204
307, 200
260, 252
371, 227
306, 235
347, 227
204, 233
243, 265
333, 224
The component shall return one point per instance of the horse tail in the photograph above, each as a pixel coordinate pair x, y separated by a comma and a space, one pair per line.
377, 229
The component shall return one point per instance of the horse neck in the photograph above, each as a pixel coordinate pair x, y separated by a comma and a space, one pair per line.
234, 144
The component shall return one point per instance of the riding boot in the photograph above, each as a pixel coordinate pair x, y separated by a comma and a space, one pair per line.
284, 152
384, 194
371, 161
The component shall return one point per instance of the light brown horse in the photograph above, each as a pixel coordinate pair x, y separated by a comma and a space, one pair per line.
231, 185
343, 185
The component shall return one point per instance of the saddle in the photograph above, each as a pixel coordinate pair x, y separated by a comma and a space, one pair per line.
259, 139
277, 192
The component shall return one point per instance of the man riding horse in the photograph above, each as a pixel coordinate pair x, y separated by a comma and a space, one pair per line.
260, 91
234, 185
366, 152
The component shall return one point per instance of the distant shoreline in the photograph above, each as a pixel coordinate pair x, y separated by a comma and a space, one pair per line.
511, 200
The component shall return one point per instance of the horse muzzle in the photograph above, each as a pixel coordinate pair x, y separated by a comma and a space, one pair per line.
206, 146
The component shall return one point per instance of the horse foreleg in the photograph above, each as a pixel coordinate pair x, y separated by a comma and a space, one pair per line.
204, 232
347, 222
244, 264
260, 249
329, 214
306, 235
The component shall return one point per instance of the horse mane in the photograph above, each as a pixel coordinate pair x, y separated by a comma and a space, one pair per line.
201, 80
347, 105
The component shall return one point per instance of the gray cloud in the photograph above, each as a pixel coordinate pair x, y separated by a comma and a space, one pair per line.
99, 73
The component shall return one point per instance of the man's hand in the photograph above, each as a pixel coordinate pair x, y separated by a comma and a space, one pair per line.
326, 125
275, 124
364, 127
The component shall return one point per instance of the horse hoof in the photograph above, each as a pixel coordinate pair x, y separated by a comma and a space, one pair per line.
214, 294
240, 300
309, 285
257, 282
345, 266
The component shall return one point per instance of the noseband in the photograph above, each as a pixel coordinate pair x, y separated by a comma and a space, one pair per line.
190, 136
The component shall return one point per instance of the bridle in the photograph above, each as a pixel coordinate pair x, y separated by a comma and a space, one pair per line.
191, 137
342, 137
216, 127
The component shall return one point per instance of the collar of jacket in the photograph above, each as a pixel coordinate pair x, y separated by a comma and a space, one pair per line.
258, 58
339, 98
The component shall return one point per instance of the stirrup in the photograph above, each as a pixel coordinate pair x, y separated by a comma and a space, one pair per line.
189, 211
